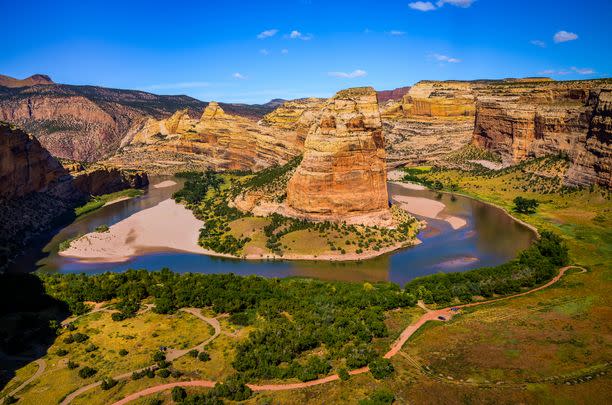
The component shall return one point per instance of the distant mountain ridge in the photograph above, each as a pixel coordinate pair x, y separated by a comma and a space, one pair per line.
87, 123
33, 80
395, 94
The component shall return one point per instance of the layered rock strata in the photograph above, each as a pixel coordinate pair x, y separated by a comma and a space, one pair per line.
216, 140
342, 176
574, 119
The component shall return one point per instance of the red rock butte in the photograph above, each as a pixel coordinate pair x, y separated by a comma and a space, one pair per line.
343, 173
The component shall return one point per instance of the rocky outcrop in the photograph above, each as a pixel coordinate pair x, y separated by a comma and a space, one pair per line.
432, 120
33, 80
295, 115
216, 140
36, 191
525, 120
25, 166
395, 94
342, 175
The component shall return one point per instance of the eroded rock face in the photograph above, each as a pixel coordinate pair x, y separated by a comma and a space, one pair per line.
440, 99
295, 115
525, 120
25, 166
216, 140
343, 172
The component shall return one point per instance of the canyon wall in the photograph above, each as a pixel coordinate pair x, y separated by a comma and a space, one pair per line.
519, 120
343, 174
37, 191
216, 140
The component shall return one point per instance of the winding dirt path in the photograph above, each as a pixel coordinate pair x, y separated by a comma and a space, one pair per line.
430, 315
42, 365
171, 355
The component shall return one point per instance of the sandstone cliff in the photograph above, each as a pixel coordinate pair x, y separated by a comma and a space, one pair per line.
523, 120
395, 94
342, 175
295, 115
216, 140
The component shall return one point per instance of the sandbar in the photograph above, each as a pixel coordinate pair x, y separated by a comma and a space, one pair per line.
165, 183
429, 208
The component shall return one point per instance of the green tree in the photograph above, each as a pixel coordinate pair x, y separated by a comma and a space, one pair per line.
525, 205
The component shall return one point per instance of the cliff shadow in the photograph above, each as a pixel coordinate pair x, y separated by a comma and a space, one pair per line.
29, 320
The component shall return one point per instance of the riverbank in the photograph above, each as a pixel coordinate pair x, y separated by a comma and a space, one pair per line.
429, 208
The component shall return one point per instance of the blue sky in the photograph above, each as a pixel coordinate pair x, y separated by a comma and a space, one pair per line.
252, 51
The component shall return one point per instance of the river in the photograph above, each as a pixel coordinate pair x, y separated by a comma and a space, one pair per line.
489, 238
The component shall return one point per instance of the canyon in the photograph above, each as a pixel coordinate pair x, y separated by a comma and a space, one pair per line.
37, 191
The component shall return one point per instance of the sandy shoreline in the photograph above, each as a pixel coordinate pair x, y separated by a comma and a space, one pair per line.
428, 208
164, 184
170, 227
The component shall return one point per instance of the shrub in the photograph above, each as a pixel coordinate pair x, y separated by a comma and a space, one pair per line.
163, 373
87, 372
178, 394
10, 400
379, 397
381, 368
80, 337
203, 356
91, 348
150, 373
108, 383
61, 352
193, 353
71, 327
123, 352
72, 365
525, 205
159, 356
344, 374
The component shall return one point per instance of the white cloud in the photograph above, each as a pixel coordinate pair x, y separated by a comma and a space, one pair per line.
349, 75
563, 72
422, 6
429, 6
456, 3
583, 71
396, 33
564, 36
238, 75
180, 85
295, 34
539, 43
267, 34
284, 51
445, 58
264, 52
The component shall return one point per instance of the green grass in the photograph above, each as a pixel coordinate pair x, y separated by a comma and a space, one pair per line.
97, 202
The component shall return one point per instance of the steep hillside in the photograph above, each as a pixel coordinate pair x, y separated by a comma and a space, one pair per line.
395, 94
88, 122
33, 80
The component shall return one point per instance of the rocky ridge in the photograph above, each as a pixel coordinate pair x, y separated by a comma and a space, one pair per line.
33, 80
216, 140
342, 175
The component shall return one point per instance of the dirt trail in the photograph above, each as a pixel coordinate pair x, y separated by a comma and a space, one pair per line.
42, 365
171, 355
432, 315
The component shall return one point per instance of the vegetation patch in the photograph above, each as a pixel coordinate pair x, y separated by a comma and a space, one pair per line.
97, 202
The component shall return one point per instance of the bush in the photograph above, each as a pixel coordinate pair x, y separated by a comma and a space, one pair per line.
10, 400
87, 372
163, 364
91, 348
80, 337
150, 373
178, 394
123, 352
108, 383
61, 352
193, 353
163, 373
344, 374
525, 205
71, 327
159, 356
203, 356
381, 368
72, 365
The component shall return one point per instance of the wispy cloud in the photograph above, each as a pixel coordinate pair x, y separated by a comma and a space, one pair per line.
572, 70
285, 51
349, 75
444, 58
396, 33
267, 33
239, 75
422, 6
429, 6
264, 52
537, 42
564, 36
295, 34
179, 85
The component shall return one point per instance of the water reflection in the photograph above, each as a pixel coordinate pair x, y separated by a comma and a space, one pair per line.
490, 237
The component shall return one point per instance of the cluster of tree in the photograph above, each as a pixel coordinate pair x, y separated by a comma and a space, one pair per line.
272, 179
534, 266
233, 389
525, 205
197, 185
